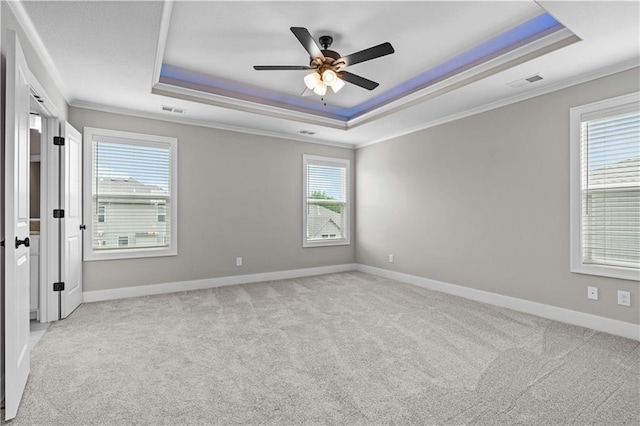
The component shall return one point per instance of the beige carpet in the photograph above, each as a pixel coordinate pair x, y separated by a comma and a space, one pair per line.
345, 348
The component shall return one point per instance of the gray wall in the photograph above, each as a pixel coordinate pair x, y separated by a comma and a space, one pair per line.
239, 195
483, 202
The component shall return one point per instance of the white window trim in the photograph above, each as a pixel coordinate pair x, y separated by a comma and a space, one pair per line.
575, 192
347, 232
88, 253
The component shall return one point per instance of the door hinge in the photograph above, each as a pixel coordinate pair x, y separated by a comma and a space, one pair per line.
58, 286
2, 243
58, 140
58, 213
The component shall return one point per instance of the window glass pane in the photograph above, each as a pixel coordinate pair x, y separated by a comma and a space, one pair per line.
131, 195
610, 181
326, 201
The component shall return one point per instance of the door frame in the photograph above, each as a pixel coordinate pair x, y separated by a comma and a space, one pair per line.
49, 193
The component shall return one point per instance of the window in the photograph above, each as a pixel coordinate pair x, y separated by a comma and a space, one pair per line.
605, 188
130, 195
326, 201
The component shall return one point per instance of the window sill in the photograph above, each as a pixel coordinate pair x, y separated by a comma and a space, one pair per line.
315, 243
607, 271
129, 254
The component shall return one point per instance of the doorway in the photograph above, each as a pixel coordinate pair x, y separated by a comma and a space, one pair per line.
35, 183
58, 236
37, 202
43, 269
57, 213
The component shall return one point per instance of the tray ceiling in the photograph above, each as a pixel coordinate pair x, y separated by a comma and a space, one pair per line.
451, 59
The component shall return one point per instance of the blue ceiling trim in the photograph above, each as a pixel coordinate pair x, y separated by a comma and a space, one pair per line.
499, 45
518, 36
235, 89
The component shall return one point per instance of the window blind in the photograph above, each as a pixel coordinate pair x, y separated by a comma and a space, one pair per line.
131, 188
610, 188
326, 200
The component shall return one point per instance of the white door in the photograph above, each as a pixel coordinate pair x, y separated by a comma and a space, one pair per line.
16, 250
71, 194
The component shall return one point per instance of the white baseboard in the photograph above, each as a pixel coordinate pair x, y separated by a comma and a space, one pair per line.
173, 287
618, 328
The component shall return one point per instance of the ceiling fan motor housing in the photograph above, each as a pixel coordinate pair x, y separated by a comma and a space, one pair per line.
330, 57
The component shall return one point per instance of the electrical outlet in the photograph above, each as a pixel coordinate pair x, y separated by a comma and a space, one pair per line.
624, 298
238, 261
391, 258
592, 293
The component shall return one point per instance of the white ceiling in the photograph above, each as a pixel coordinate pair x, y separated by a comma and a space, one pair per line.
110, 59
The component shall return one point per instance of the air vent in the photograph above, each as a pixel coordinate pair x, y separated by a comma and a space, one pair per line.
172, 109
525, 81
306, 132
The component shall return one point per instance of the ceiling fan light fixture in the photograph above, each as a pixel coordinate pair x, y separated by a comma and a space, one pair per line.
337, 85
320, 89
329, 77
312, 80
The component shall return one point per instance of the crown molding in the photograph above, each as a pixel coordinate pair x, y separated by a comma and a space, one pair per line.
166, 88
573, 81
569, 82
457, 79
34, 39
204, 123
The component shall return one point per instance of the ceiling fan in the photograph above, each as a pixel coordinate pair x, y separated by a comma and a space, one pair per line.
328, 65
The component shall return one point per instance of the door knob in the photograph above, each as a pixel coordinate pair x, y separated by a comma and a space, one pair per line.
25, 242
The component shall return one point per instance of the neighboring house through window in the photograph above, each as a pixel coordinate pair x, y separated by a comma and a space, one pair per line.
130, 195
162, 213
101, 214
605, 188
326, 201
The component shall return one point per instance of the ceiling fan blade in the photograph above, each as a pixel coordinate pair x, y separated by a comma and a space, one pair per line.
358, 81
303, 36
280, 67
367, 54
